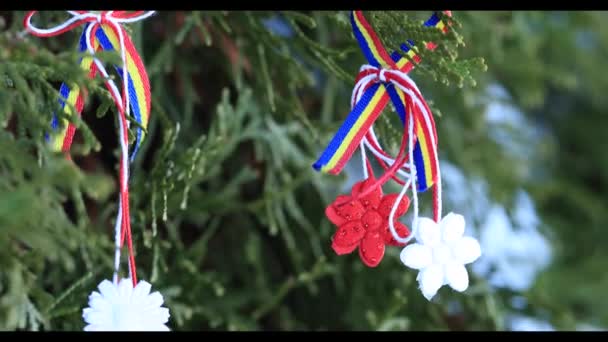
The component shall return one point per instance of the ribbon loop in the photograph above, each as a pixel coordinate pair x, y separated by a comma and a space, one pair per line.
76, 20
382, 75
102, 18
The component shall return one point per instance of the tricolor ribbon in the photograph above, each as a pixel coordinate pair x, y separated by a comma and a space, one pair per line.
385, 78
103, 31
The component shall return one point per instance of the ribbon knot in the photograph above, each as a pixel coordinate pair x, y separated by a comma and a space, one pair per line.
382, 75
104, 17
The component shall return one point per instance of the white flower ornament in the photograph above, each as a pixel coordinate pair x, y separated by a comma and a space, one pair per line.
124, 308
441, 253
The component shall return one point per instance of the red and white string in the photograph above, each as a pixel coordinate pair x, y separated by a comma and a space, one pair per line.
407, 170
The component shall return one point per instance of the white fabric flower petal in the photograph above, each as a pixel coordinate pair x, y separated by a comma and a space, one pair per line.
456, 276
143, 288
140, 292
92, 327
159, 315
125, 288
428, 232
417, 256
154, 300
125, 308
85, 313
107, 290
97, 317
163, 314
466, 250
94, 295
98, 303
431, 280
452, 227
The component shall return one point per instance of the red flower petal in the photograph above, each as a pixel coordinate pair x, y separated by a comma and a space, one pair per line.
371, 249
332, 214
364, 183
387, 205
402, 231
371, 220
349, 211
347, 237
340, 250
341, 200
372, 200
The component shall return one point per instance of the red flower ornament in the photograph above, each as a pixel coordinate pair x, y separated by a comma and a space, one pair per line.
363, 222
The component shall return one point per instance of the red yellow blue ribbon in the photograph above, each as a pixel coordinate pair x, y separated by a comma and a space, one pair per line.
72, 103
370, 44
72, 100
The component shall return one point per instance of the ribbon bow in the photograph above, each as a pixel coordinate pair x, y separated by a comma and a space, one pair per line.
385, 78
103, 31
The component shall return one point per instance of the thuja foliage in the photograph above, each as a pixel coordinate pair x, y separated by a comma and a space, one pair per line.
227, 213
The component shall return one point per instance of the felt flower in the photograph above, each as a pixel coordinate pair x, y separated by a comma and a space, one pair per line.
363, 222
441, 253
124, 308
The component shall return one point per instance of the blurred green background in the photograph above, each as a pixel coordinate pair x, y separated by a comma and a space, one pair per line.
227, 213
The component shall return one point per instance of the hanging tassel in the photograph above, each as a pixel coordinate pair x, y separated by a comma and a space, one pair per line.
110, 308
